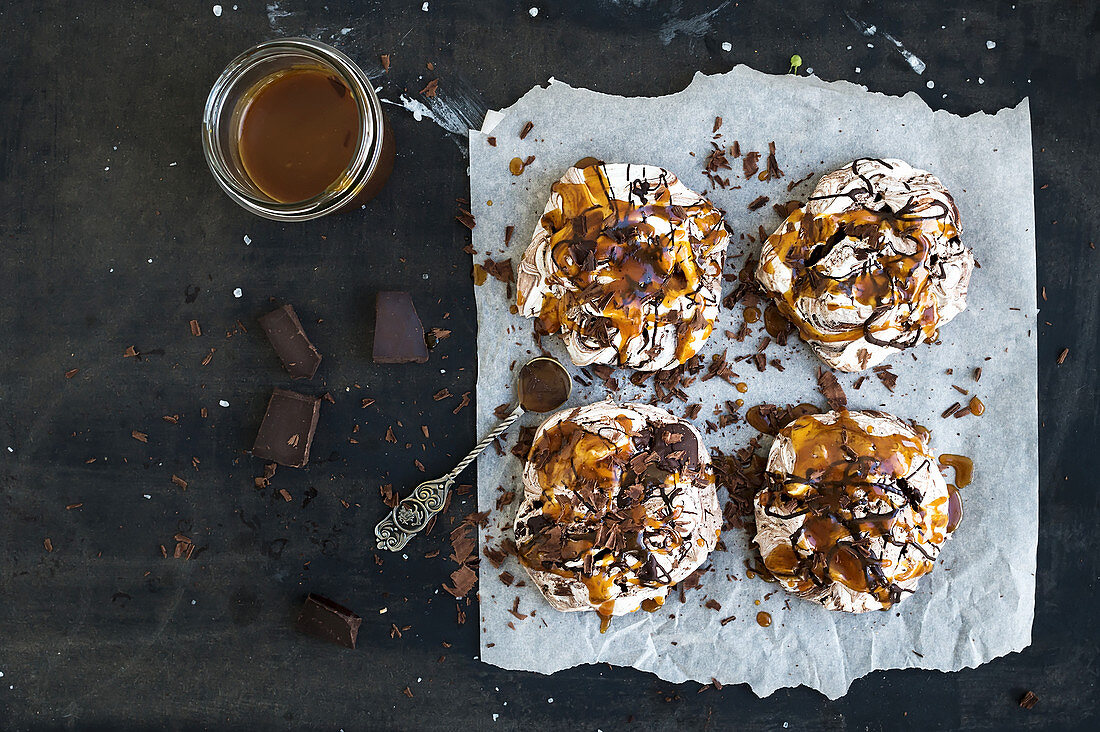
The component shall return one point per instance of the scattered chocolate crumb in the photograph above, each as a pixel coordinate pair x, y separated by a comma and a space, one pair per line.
285, 494
71, 373
179, 481
385, 58
139, 436
442, 394
978, 374
950, 410
959, 389
407, 692
48, 544
1062, 355
713, 604
735, 149
758, 203
367, 403
1029, 700
463, 402
730, 619
508, 231
526, 130
209, 356
717, 124
507, 578
492, 141
195, 329
503, 410
130, 352
431, 88
419, 466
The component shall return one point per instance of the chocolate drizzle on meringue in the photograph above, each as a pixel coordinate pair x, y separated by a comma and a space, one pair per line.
896, 257
853, 487
610, 514
627, 263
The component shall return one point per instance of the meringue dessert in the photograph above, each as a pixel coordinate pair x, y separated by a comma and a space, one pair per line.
625, 263
618, 505
854, 509
870, 265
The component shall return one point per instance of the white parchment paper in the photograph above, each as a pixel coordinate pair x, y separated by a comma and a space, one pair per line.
979, 602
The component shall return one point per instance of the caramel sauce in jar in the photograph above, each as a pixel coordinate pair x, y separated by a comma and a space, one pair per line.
298, 132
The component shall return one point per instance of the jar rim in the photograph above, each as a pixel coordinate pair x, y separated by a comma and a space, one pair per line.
363, 163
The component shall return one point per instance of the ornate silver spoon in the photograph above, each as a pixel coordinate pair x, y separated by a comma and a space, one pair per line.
543, 386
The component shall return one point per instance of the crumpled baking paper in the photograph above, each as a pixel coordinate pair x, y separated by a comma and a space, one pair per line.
978, 604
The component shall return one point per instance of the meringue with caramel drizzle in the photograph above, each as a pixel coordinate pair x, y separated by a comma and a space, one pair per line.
853, 511
625, 263
619, 505
872, 264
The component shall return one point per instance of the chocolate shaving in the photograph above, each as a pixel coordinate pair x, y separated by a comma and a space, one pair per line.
750, 164
526, 130
501, 270
831, 389
1029, 700
758, 203
385, 59
888, 378
431, 88
389, 495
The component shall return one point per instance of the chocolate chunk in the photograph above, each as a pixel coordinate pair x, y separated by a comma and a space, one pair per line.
327, 620
284, 330
287, 430
398, 332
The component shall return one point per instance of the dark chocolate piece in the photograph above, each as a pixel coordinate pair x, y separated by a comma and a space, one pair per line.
327, 620
287, 430
290, 342
398, 332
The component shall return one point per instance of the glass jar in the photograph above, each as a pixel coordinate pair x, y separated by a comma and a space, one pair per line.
371, 163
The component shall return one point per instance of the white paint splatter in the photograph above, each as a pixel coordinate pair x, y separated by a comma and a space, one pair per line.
931, 84
217, 11
727, 46
869, 30
275, 15
424, 7
697, 25
238, 292
223, 403
981, 80
533, 12
990, 45
345, 31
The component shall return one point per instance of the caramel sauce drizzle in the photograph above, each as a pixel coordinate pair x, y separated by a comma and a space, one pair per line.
885, 277
595, 526
839, 470
604, 244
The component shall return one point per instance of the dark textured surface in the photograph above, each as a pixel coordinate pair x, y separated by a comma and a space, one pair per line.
101, 170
